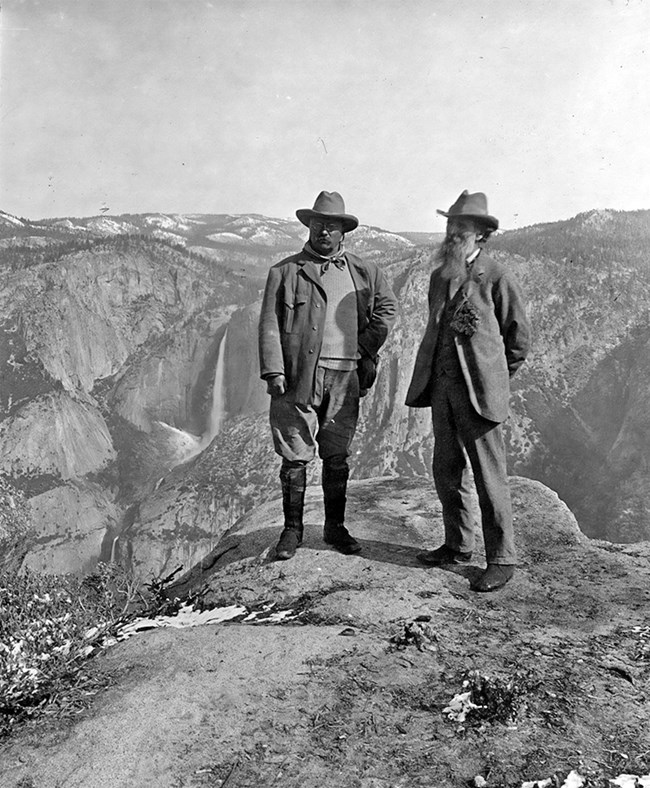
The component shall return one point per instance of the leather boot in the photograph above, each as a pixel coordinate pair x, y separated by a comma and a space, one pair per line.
335, 483
293, 480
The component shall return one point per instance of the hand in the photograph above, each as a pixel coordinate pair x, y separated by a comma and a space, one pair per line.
276, 386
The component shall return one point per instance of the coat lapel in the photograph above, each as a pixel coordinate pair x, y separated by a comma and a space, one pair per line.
311, 271
475, 280
438, 301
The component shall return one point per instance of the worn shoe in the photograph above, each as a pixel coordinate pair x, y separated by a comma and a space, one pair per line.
495, 576
340, 538
444, 555
290, 541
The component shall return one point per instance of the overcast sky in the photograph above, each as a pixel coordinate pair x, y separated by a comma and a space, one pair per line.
254, 106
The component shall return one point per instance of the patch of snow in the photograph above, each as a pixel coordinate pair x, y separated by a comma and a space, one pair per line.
226, 236
169, 236
187, 616
245, 222
372, 234
30, 242
573, 780
631, 781
460, 706
597, 218
103, 224
67, 224
172, 222
9, 218
268, 237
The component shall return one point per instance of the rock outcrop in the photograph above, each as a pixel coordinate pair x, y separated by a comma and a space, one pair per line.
355, 689
75, 442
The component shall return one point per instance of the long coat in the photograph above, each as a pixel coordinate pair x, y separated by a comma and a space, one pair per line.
292, 320
492, 355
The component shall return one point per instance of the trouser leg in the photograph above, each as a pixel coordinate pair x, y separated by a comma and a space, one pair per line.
485, 446
338, 414
294, 437
451, 474
488, 457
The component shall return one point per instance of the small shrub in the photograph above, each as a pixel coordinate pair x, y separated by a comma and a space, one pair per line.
15, 526
486, 699
496, 700
49, 624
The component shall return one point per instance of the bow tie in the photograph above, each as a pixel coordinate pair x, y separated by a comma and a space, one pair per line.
339, 262
338, 258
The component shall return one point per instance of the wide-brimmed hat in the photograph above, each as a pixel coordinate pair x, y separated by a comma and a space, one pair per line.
328, 205
471, 206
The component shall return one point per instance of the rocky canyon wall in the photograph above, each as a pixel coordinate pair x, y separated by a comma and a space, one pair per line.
111, 424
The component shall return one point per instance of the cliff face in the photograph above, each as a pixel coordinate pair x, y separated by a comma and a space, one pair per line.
102, 349
130, 379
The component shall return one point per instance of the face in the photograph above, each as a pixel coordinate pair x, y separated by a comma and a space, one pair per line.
463, 229
459, 243
325, 235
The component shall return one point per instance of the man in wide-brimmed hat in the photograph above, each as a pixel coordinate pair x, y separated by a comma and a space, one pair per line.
325, 314
476, 339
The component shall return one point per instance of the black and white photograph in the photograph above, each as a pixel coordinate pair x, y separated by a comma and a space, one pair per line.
324, 394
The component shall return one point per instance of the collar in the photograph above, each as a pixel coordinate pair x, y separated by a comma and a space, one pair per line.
321, 258
338, 257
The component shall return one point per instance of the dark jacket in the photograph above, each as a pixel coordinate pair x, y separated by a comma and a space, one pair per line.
293, 318
492, 355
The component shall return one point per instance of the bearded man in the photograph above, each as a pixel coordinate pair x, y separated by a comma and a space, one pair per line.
476, 339
325, 314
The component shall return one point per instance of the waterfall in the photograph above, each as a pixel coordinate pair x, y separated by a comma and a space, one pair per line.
180, 445
218, 410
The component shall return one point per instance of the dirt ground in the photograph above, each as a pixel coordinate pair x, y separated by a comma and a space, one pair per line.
351, 691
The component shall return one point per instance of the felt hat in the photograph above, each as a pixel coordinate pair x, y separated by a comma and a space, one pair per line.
328, 205
471, 206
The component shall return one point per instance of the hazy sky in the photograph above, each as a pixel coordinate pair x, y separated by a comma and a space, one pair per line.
239, 106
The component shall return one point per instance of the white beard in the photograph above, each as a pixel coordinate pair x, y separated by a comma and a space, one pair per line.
453, 254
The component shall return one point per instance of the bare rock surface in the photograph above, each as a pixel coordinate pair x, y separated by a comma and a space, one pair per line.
76, 442
88, 512
352, 690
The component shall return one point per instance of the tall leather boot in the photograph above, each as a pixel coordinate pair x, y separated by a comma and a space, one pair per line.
335, 483
294, 481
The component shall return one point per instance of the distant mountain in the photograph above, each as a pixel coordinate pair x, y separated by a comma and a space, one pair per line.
132, 414
248, 244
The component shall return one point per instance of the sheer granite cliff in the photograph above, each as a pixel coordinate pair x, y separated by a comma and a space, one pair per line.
110, 349
100, 338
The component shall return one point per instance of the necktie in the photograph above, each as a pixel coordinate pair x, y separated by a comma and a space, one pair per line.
339, 262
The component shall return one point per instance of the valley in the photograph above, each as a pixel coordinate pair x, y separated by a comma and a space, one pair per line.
133, 418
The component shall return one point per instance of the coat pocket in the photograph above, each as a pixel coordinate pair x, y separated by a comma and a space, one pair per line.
291, 313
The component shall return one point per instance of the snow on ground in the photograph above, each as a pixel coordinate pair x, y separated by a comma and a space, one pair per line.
225, 237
